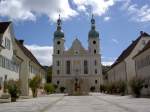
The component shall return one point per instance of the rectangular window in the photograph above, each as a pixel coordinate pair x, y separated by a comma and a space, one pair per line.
95, 62
0, 60
3, 62
85, 67
9, 64
58, 63
95, 71
58, 72
68, 67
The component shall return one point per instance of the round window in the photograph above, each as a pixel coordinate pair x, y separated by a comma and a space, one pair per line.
58, 42
94, 42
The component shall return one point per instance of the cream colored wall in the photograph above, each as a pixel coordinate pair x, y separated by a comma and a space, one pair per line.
144, 71
25, 73
118, 73
24, 70
72, 57
9, 55
130, 63
126, 69
5, 52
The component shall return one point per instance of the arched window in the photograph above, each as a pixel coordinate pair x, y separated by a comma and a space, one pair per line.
95, 71
58, 51
85, 67
68, 68
94, 51
58, 82
95, 81
58, 72
58, 63
95, 62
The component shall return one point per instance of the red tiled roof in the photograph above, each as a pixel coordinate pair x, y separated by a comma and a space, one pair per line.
3, 26
28, 53
147, 46
129, 49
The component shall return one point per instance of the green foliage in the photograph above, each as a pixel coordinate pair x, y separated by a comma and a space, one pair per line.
49, 88
121, 87
62, 89
114, 88
49, 75
136, 85
103, 88
35, 84
13, 89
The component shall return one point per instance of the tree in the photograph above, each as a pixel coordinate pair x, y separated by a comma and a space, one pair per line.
49, 74
35, 84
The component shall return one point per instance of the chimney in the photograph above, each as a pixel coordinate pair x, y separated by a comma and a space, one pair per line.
141, 32
21, 42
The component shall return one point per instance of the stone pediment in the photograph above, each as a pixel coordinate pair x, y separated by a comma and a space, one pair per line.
76, 49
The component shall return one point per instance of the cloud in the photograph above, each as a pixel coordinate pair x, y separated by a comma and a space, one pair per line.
107, 18
139, 14
108, 63
98, 7
42, 53
115, 41
30, 9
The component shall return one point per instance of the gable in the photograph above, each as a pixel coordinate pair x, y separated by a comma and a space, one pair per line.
76, 48
129, 49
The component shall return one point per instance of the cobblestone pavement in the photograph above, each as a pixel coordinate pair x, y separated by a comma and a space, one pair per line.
95, 102
39, 104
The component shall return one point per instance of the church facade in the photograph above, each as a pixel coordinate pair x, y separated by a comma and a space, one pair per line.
77, 70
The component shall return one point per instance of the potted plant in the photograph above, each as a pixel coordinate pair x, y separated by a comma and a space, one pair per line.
62, 89
13, 89
92, 89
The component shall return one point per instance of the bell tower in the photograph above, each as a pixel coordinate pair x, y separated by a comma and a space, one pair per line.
93, 38
59, 39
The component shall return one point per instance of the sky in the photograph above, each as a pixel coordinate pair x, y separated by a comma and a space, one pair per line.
119, 22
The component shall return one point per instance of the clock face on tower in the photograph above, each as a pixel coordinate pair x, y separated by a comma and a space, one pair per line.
94, 42
58, 42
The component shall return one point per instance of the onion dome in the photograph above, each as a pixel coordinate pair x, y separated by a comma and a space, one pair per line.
59, 33
93, 33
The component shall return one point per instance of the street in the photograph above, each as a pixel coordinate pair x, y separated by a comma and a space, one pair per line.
95, 102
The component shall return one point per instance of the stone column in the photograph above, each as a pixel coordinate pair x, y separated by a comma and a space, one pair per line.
24, 78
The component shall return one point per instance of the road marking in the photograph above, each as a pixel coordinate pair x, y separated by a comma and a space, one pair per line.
46, 108
116, 104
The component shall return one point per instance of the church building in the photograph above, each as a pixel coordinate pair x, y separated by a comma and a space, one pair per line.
77, 70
